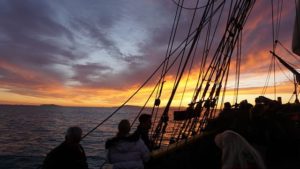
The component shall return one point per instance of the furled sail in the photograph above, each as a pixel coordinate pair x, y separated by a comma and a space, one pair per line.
296, 35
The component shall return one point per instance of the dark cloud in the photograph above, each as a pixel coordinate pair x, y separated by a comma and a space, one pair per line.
97, 75
138, 66
33, 36
30, 18
259, 35
92, 30
90, 73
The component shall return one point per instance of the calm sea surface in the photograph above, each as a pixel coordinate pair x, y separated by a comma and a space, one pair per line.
28, 133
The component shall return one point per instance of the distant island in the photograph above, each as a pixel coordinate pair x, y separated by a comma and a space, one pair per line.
50, 105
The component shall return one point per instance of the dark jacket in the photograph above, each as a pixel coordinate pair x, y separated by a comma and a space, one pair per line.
66, 156
143, 134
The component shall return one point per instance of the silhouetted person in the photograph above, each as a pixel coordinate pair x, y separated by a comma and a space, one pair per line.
227, 106
69, 154
143, 128
227, 111
125, 152
225, 120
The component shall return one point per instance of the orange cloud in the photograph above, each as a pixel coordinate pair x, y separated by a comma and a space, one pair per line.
17, 70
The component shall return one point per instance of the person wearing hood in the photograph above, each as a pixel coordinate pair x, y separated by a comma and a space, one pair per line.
125, 152
237, 153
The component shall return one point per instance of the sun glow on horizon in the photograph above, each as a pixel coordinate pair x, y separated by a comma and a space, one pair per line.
93, 97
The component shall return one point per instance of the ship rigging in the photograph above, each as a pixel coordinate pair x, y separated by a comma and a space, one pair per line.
201, 49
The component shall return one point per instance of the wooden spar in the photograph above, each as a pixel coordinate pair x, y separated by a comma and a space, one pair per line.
294, 71
296, 34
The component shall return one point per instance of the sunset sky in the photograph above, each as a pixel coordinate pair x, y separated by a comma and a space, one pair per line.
98, 52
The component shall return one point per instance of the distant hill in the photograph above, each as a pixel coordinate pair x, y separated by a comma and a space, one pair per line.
50, 105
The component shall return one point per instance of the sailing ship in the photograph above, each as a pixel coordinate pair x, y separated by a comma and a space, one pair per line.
182, 136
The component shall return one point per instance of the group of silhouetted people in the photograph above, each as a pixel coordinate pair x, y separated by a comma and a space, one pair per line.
124, 151
243, 138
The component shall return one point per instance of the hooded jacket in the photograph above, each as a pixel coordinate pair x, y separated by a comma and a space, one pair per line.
126, 154
237, 153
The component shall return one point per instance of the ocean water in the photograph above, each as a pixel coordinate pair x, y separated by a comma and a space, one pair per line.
28, 133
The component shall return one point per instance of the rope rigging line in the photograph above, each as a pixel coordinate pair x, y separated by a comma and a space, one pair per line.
167, 54
188, 8
278, 21
213, 62
176, 126
238, 68
217, 64
174, 61
147, 80
274, 77
291, 98
264, 90
190, 124
169, 49
297, 14
275, 34
194, 32
279, 65
192, 35
175, 30
170, 66
160, 130
278, 18
214, 93
144, 104
113, 113
273, 49
273, 27
287, 50
182, 51
207, 47
193, 45
225, 87
190, 28
220, 67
